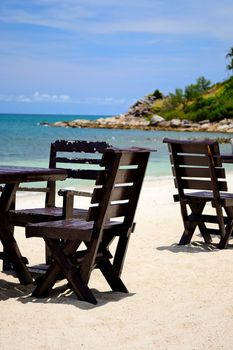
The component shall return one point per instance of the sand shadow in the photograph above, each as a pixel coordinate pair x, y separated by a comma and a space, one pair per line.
59, 295
194, 247
64, 295
13, 290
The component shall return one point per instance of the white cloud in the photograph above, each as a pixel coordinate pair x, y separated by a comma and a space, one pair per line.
110, 17
102, 101
36, 97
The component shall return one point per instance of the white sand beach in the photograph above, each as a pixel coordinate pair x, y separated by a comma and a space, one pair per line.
180, 297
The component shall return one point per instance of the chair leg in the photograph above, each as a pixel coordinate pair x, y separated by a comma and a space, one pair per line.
112, 277
120, 254
112, 271
228, 229
187, 234
45, 283
190, 226
63, 264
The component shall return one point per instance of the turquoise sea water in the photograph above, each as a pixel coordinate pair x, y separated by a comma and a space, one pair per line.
23, 141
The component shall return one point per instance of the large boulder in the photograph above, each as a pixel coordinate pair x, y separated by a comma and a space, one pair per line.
175, 122
156, 119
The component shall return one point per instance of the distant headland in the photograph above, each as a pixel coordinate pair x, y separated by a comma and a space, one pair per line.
128, 122
200, 107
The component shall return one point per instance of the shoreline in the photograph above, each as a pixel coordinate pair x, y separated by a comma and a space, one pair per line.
125, 122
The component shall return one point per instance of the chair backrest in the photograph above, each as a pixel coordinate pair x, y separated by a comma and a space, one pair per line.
196, 165
81, 159
118, 187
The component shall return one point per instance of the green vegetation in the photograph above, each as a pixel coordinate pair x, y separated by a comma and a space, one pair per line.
230, 57
157, 94
198, 101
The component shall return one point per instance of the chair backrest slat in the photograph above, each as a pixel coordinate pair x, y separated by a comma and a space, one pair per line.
77, 160
79, 146
84, 174
199, 172
119, 193
192, 160
121, 186
114, 211
124, 175
200, 185
196, 165
85, 157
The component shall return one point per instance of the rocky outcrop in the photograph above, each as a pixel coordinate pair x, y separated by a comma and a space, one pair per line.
118, 122
123, 122
137, 118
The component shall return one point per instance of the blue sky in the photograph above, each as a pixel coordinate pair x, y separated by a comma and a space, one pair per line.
100, 56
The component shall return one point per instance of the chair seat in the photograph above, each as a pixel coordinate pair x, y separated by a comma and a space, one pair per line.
71, 229
226, 198
205, 195
24, 216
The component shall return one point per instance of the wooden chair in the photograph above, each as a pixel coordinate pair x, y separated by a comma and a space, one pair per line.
200, 179
81, 160
110, 215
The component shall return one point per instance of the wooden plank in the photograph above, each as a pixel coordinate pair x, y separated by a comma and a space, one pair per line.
195, 143
195, 160
85, 174
11, 174
128, 158
136, 159
82, 146
195, 148
114, 210
202, 185
71, 229
123, 176
33, 189
198, 172
122, 192
212, 219
85, 161
119, 210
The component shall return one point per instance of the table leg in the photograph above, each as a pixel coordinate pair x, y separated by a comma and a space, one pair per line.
9, 243
12, 251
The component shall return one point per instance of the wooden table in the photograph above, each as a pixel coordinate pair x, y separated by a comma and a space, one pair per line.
11, 177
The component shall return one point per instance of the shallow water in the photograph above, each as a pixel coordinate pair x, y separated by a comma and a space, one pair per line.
24, 141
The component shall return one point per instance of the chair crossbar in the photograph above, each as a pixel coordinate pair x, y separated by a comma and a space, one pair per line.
77, 160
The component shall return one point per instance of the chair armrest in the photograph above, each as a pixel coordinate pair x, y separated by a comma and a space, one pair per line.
68, 201
74, 193
34, 189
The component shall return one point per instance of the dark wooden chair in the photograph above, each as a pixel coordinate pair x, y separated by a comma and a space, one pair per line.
110, 215
200, 179
81, 160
